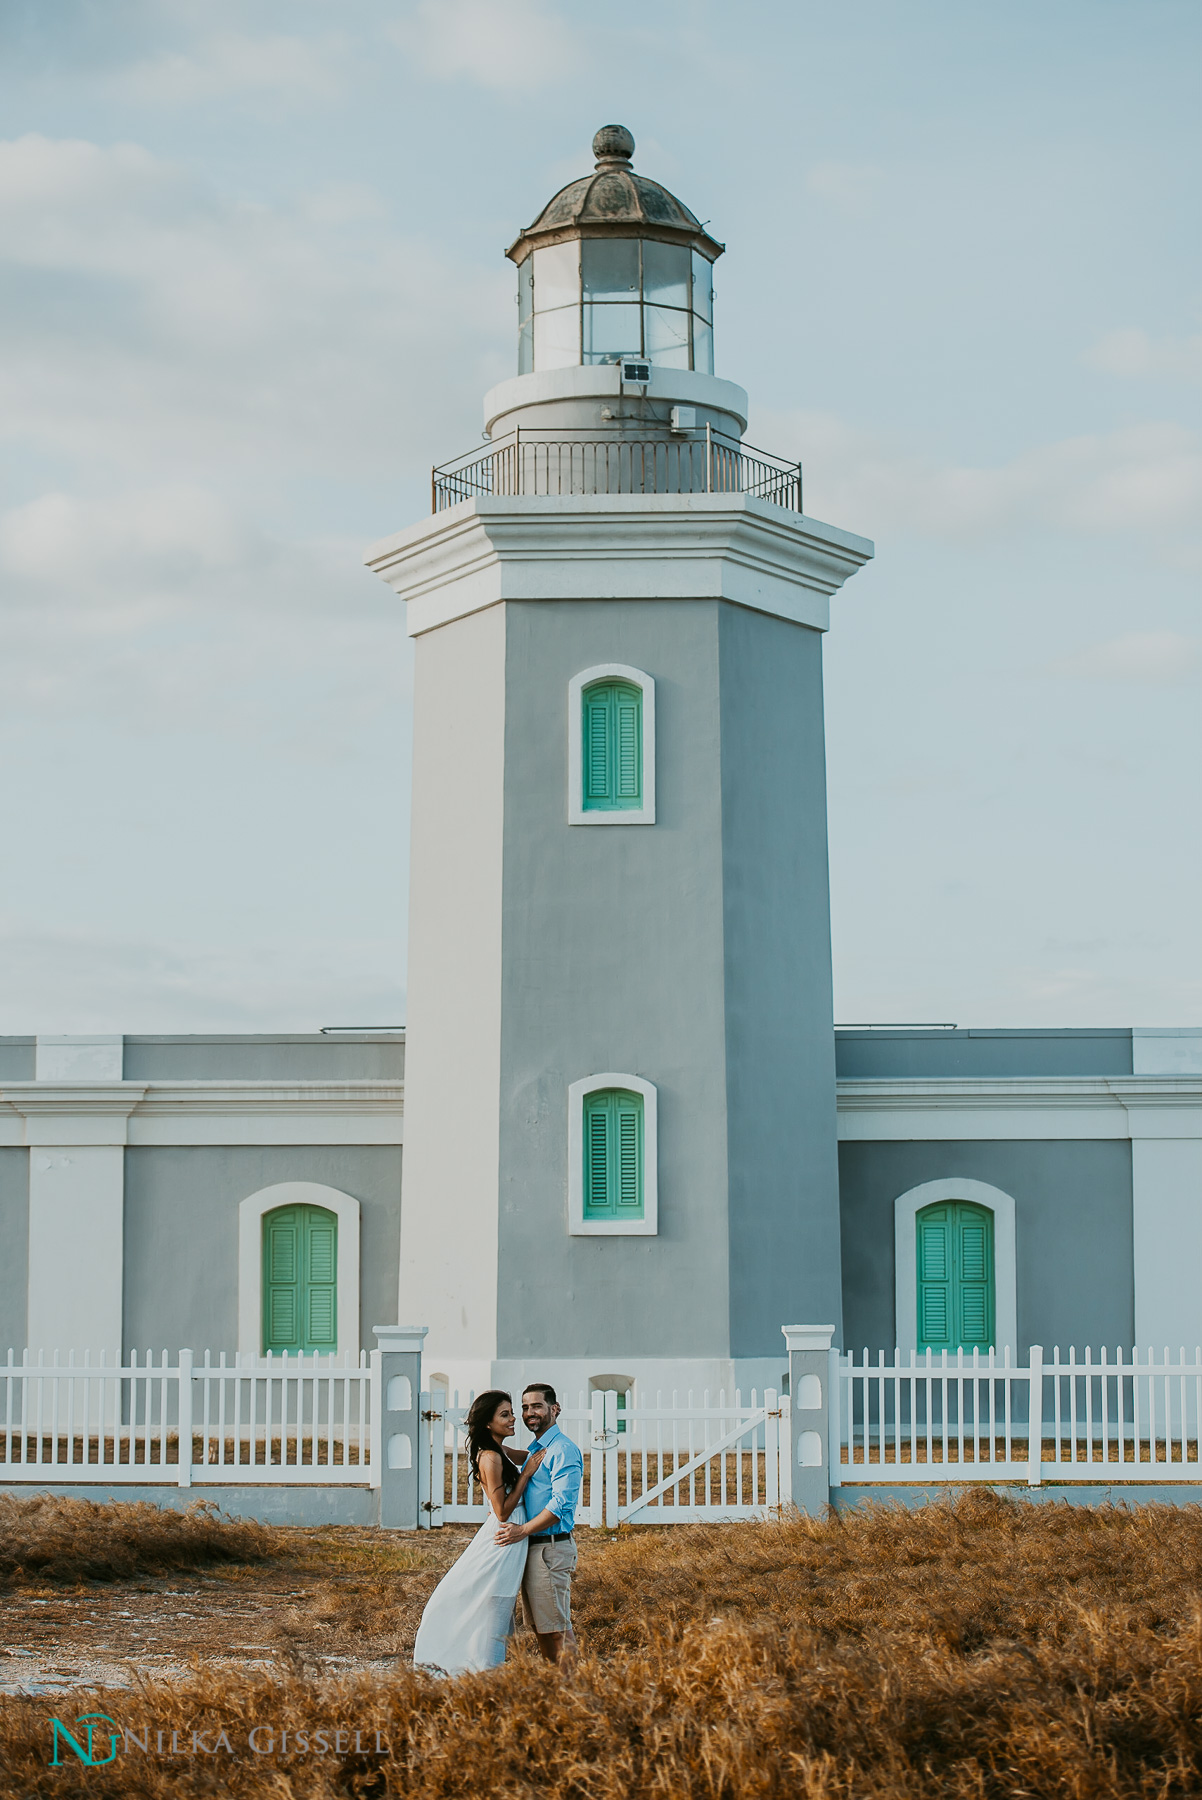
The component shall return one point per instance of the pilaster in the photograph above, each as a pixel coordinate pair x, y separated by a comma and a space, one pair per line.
76, 1132
809, 1348
398, 1438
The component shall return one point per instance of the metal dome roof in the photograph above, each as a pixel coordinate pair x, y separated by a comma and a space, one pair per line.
614, 202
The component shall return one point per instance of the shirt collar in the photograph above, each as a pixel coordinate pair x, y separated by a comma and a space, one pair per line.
552, 1431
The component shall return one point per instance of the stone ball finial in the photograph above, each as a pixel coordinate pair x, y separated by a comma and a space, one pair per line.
613, 144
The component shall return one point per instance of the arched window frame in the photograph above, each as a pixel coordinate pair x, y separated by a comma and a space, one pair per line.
906, 1209
250, 1259
578, 1225
630, 815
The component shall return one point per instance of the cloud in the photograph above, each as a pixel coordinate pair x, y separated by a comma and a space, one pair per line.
167, 609
503, 44
281, 67
58, 980
1134, 353
1140, 478
1155, 658
156, 537
146, 319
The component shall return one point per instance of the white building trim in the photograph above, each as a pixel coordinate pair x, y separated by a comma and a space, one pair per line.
202, 1112
250, 1258
578, 1225
632, 815
906, 1208
1164, 1050
617, 547
97, 1057
930, 1108
598, 381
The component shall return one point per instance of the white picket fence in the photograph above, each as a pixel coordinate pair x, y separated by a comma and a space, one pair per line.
298, 1420
1103, 1418
671, 1463
1100, 1417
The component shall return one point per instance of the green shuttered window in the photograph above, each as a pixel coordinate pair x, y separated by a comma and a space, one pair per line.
955, 1277
611, 761
300, 1279
613, 1155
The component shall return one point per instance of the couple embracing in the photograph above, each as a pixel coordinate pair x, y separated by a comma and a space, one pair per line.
525, 1545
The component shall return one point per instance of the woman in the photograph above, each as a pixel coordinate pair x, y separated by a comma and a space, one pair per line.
469, 1614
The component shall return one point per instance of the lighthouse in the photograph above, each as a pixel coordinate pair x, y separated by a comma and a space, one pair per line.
620, 1135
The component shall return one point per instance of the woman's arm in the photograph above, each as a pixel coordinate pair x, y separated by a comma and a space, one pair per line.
491, 1480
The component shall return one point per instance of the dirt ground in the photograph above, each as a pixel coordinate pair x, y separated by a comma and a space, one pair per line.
339, 1601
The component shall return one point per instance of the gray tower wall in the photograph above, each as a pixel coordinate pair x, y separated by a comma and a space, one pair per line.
612, 957
782, 1149
694, 953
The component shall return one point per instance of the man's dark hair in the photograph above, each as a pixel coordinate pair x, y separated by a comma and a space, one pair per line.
541, 1387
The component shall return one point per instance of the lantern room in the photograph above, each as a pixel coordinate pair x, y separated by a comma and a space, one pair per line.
615, 267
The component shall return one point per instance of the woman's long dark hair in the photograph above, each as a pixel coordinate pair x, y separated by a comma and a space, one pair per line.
480, 1415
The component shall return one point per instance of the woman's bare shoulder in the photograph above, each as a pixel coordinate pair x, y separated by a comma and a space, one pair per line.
489, 1457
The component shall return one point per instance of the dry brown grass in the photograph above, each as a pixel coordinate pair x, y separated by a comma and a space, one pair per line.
978, 1648
47, 1539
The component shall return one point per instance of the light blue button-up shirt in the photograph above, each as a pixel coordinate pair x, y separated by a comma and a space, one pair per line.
555, 1484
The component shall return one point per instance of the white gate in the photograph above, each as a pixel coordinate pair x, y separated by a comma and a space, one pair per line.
663, 1464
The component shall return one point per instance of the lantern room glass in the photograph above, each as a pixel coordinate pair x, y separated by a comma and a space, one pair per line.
598, 299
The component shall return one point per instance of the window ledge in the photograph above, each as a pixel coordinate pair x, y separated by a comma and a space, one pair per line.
634, 815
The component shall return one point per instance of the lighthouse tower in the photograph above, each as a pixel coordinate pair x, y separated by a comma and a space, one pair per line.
620, 1152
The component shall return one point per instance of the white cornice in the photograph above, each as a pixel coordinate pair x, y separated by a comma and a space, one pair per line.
1039, 1106
202, 1112
34, 1098
618, 547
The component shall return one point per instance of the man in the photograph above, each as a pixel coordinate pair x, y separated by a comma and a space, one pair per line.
552, 1495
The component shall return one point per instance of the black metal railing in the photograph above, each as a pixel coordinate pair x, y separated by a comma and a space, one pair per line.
537, 461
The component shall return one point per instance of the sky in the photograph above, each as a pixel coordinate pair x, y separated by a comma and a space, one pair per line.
252, 286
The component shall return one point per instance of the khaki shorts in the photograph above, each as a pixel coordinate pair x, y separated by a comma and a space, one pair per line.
547, 1585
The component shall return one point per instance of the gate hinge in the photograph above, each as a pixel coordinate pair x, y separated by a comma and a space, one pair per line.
429, 1506
431, 1416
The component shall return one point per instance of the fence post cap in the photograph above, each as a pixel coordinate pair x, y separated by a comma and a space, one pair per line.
808, 1337
400, 1337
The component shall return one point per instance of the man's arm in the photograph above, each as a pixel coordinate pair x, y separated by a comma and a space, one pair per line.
566, 1477
509, 1533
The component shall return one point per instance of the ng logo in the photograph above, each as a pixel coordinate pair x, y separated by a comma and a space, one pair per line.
89, 1720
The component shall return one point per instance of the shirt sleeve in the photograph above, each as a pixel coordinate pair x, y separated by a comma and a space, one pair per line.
566, 1478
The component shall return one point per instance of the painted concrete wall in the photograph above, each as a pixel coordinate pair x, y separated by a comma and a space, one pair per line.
14, 1247
181, 1234
783, 1223
613, 961
17, 1058
449, 1237
74, 1282
1073, 1227
286, 1057
694, 953
1167, 1182
965, 1053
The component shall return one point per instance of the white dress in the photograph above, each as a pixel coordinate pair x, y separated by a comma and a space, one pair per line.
469, 1615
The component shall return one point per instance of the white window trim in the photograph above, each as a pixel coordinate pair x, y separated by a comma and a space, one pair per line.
906, 1209
250, 1259
633, 815
578, 1225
